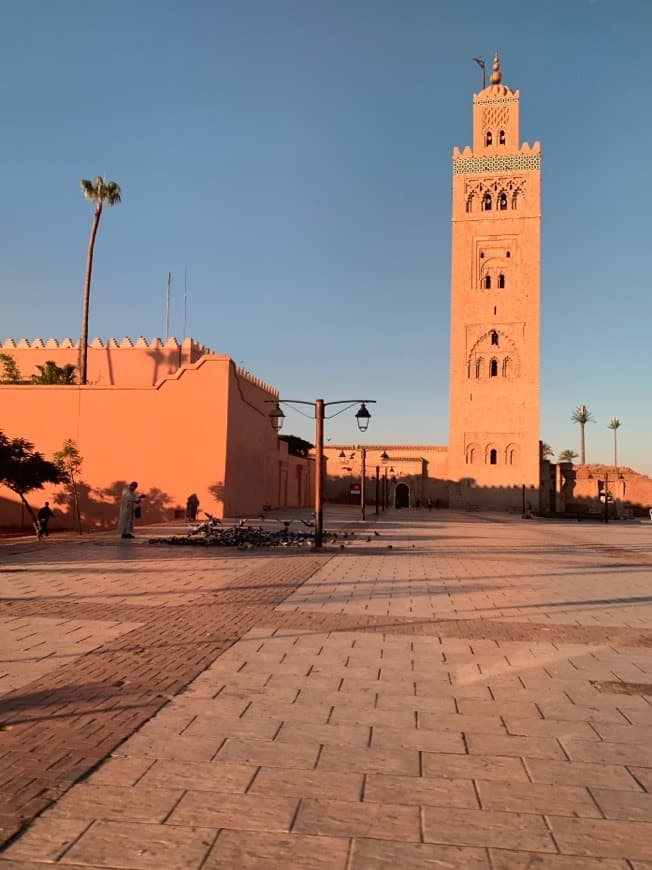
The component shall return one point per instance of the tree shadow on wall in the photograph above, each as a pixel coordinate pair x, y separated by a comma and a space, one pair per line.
100, 507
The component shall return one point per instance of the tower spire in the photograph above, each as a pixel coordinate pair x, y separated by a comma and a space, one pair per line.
496, 75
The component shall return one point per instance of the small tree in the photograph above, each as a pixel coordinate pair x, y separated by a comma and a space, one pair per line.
51, 373
567, 456
23, 469
614, 425
10, 373
296, 446
69, 461
546, 451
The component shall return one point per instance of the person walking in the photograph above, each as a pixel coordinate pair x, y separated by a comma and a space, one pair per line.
429, 503
43, 517
192, 505
129, 501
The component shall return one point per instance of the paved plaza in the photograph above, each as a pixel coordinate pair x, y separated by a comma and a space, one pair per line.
457, 691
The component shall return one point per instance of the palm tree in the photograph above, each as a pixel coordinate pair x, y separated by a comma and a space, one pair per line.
582, 415
614, 424
100, 191
567, 456
546, 450
51, 373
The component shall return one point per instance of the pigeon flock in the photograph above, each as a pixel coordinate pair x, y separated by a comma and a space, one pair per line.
247, 534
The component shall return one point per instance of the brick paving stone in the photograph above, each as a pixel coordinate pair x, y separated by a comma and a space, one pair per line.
553, 728
308, 783
384, 737
240, 850
337, 818
47, 839
247, 812
579, 773
629, 806
383, 855
608, 753
214, 776
340, 735
530, 747
503, 860
420, 791
270, 753
395, 760
116, 803
502, 768
141, 846
463, 827
603, 838
538, 798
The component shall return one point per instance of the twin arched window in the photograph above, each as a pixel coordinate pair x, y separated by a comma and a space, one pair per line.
489, 138
486, 281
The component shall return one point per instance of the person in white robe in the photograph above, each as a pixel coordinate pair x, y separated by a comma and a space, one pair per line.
128, 502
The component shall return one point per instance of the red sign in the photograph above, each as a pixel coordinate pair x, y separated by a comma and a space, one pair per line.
355, 489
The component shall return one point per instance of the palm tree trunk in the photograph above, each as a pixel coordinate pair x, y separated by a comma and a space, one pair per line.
35, 522
582, 445
615, 449
83, 342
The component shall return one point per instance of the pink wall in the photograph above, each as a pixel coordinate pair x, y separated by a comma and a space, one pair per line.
172, 438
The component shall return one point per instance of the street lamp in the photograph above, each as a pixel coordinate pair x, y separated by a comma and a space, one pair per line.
362, 417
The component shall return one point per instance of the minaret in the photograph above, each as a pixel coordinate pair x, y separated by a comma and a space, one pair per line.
494, 334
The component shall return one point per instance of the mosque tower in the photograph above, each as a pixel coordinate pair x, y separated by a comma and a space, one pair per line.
493, 448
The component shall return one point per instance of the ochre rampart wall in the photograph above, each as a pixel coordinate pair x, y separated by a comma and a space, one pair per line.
172, 438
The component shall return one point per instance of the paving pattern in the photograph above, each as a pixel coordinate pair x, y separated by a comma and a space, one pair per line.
449, 702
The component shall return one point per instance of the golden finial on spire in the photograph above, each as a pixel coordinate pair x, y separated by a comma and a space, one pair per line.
496, 75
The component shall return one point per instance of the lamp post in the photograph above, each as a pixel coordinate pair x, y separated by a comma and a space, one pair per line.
384, 458
363, 477
362, 417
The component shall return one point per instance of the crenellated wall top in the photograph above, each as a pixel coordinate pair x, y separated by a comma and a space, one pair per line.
124, 343
252, 379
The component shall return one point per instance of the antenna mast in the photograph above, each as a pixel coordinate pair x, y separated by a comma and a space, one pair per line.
167, 307
185, 302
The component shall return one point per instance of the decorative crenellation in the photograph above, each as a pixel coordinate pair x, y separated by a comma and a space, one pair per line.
140, 342
243, 373
464, 165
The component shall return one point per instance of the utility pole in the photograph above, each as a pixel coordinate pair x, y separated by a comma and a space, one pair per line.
167, 307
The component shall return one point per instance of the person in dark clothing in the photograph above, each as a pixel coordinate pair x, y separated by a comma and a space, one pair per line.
43, 517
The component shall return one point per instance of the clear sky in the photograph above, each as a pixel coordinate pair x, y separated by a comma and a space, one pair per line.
294, 156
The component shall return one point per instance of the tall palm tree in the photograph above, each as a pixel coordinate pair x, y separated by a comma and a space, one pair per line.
614, 424
99, 191
567, 456
582, 415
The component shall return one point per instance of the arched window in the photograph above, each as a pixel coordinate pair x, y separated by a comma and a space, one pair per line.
493, 368
493, 457
494, 338
486, 282
501, 281
470, 456
507, 367
469, 203
510, 454
508, 254
488, 138
478, 366
486, 202
510, 457
501, 137
502, 202
515, 199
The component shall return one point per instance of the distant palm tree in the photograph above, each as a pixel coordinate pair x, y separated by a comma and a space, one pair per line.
546, 451
614, 424
567, 456
582, 415
99, 191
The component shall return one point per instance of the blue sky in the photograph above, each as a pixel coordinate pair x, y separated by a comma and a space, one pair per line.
294, 156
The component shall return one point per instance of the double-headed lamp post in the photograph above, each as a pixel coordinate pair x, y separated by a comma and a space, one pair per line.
362, 417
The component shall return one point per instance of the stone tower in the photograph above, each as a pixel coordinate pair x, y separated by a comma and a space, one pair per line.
493, 444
